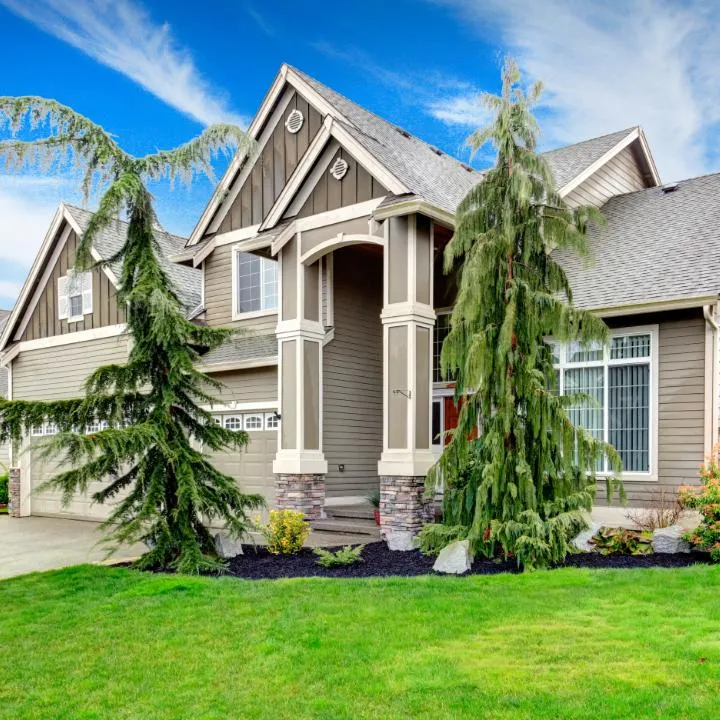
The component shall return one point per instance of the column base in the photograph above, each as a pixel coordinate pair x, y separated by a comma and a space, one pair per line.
403, 509
302, 492
14, 493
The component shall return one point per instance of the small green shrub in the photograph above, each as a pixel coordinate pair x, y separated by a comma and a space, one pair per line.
285, 532
706, 500
4, 492
619, 541
348, 555
434, 537
373, 499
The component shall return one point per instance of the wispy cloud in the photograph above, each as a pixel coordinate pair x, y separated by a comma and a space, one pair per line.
122, 35
611, 65
260, 21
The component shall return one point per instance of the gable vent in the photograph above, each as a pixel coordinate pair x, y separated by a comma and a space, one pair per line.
294, 121
339, 168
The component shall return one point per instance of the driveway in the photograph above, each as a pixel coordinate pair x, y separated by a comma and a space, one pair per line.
34, 544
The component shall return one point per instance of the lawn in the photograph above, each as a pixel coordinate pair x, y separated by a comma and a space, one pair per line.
93, 642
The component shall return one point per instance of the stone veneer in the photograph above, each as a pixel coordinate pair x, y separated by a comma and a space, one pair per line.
305, 493
403, 507
14, 492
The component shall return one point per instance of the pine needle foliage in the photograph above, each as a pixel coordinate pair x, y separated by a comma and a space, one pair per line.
165, 490
523, 484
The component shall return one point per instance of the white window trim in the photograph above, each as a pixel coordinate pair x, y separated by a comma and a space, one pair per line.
257, 416
653, 331
236, 314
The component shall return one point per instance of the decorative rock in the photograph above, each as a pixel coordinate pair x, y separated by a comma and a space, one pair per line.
400, 540
582, 540
670, 540
227, 547
455, 559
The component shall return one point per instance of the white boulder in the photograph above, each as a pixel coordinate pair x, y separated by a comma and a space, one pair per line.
226, 546
582, 540
455, 559
670, 540
400, 540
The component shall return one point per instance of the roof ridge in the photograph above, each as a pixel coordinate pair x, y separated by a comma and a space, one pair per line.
624, 132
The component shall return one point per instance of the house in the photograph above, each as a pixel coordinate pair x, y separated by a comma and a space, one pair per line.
4, 449
326, 246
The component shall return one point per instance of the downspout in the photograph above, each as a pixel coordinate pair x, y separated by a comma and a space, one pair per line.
712, 379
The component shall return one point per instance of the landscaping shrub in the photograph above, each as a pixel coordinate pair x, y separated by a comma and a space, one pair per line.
433, 537
4, 492
619, 541
706, 500
666, 512
285, 532
347, 555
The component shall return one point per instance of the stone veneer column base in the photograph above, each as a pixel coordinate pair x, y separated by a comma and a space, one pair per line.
403, 510
305, 493
14, 492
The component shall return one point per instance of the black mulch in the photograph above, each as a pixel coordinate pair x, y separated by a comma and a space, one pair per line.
378, 561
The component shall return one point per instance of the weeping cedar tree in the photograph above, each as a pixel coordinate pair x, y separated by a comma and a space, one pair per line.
165, 489
523, 484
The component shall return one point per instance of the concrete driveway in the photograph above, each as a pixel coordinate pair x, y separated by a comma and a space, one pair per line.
34, 544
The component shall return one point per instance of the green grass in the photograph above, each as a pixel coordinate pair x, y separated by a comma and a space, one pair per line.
92, 642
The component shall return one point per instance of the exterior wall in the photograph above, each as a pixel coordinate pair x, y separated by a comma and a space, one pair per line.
619, 176
330, 194
681, 404
277, 160
248, 386
58, 373
4, 457
218, 295
353, 374
44, 321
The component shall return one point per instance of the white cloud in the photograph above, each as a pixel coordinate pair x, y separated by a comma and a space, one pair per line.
465, 110
121, 35
608, 66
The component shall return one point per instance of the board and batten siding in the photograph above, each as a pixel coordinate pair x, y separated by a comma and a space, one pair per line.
218, 295
681, 408
44, 321
353, 374
273, 167
59, 373
618, 176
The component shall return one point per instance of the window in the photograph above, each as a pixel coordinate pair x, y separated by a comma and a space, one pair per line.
75, 296
233, 422
272, 421
440, 332
253, 422
619, 378
256, 280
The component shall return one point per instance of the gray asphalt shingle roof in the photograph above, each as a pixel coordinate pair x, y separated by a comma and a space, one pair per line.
242, 349
656, 246
186, 281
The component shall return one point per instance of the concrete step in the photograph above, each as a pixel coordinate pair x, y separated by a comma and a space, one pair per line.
360, 512
343, 526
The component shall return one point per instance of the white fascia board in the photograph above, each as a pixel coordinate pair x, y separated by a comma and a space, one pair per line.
680, 303
649, 156
580, 178
239, 365
416, 205
93, 252
227, 238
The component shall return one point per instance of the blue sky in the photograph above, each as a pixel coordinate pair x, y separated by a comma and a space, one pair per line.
154, 73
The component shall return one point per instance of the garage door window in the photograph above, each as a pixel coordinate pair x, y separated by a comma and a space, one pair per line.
253, 422
233, 422
272, 421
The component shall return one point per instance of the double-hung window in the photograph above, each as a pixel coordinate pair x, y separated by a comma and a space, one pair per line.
255, 284
620, 378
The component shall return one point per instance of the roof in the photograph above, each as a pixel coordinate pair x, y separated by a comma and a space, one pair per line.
4, 316
657, 245
568, 162
187, 282
241, 349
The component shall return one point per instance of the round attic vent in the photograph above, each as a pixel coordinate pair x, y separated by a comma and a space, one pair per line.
339, 168
294, 121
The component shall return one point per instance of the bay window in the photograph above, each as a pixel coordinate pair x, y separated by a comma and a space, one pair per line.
255, 284
621, 379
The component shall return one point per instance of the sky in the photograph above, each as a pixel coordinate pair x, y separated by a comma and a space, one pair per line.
154, 73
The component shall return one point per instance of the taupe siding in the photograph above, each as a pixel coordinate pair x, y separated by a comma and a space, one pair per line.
4, 456
218, 295
276, 162
57, 373
244, 386
619, 176
681, 407
330, 194
45, 323
352, 375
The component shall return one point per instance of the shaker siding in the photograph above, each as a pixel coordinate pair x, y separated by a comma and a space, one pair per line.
353, 375
618, 176
44, 321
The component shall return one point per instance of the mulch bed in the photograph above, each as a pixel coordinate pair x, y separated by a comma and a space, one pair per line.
378, 561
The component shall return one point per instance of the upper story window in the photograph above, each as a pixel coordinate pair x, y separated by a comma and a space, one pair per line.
75, 296
255, 281
440, 332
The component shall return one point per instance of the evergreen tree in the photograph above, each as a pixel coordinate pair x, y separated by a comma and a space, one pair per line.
166, 490
524, 482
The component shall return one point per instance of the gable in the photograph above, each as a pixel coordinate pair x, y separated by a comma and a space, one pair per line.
321, 191
622, 174
39, 319
256, 187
